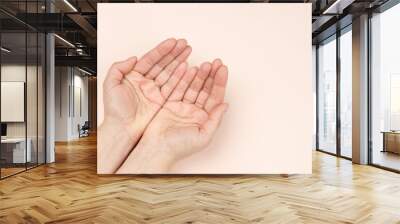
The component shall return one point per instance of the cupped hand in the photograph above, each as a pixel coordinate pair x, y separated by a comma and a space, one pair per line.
186, 123
134, 91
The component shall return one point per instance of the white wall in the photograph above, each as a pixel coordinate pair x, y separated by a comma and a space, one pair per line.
15, 72
79, 117
62, 81
70, 83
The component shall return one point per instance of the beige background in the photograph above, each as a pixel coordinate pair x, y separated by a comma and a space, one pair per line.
267, 47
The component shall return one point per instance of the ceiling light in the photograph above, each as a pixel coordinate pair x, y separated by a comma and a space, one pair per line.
5, 50
337, 7
64, 40
84, 71
70, 5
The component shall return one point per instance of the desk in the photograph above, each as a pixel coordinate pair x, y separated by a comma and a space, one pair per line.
391, 141
13, 150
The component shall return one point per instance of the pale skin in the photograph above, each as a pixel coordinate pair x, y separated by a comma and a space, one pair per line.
185, 124
134, 91
177, 110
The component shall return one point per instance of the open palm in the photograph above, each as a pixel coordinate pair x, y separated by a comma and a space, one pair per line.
135, 90
188, 120
186, 123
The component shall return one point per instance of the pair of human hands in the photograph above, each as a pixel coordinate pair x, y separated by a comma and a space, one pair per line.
158, 111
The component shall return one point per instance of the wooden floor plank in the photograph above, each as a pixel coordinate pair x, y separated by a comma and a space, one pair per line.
70, 191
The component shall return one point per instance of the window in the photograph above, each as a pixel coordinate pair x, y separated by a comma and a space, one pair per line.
385, 89
327, 96
346, 93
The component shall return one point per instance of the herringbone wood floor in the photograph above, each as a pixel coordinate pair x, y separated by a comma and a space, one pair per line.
69, 191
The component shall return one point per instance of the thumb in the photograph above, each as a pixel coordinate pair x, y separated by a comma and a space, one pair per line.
215, 117
118, 70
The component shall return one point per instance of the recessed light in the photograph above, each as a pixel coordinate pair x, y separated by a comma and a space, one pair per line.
84, 71
5, 50
337, 7
64, 40
70, 5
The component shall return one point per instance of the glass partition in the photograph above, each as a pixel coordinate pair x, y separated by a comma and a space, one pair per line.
22, 63
14, 145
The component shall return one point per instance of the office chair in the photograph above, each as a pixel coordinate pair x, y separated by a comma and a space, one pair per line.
84, 130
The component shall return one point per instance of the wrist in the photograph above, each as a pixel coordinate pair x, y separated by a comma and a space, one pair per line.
129, 127
148, 158
115, 142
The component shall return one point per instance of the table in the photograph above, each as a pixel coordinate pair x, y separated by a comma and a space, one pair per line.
391, 141
13, 150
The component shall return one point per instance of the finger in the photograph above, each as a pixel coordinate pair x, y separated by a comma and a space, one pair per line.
166, 60
209, 128
179, 91
118, 70
163, 77
172, 82
197, 84
155, 55
217, 94
217, 63
206, 90
204, 93
185, 54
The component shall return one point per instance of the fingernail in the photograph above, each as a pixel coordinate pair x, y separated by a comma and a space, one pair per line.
183, 39
226, 107
218, 60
